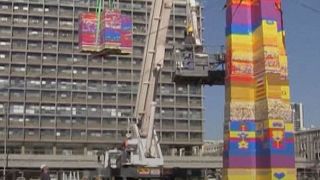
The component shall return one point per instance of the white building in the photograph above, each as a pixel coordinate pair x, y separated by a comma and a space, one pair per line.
297, 116
212, 147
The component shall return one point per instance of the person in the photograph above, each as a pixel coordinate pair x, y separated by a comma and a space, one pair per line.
189, 41
44, 172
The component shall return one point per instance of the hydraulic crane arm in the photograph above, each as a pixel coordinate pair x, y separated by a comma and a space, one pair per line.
192, 21
152, 64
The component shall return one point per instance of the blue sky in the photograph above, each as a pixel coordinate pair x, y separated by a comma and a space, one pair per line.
302, 25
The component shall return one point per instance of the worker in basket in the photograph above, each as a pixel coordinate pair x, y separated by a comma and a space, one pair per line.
189, 39
189, 45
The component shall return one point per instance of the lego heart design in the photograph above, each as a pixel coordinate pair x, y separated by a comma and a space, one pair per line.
279, 176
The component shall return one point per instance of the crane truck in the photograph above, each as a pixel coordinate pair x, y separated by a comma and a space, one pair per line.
141, 155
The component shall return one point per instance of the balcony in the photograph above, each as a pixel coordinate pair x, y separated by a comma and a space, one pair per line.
64, 123
50, 47
33, 96
63, 137
51, 11
109, 75
5, 45
16, 136
167, 125
32, 135
5, 20
47, 122
33, 72
4, 70
35, 34
34, 59
3, 97
47, 135
182, 125
66, 12
53, 2
94, 100
48, 97
109, 123
79, 123
167, 137
94, 112
18, 72
196, 103
182, 139
4, 57
95, 75
17, 97
5, 8
50, 23
64, 98
79, 135
50, 35
94, 123
35, 22
66, 24
109, 99
126, 102
32, 122
34, 46
64, 74
36, 10
16, 122
79, 98
48, 73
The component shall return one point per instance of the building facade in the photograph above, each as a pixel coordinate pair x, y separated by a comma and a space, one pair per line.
307, 149
307, 144
297, 116
212, 148
56, 100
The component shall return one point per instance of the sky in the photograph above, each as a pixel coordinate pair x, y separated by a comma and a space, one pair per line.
302, 25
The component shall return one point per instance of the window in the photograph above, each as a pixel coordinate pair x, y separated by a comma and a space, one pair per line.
16, 109
79, 111
79, 85
17, 83
109, 112
48, 109
32, 109
33, 83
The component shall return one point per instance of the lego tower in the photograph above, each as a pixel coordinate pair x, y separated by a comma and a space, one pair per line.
258, 131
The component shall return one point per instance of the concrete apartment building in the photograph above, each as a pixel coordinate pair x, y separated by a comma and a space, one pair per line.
55, 100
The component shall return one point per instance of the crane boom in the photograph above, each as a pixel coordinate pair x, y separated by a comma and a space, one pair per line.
192, 19
152, 64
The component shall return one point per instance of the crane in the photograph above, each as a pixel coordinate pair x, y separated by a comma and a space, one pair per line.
141, 148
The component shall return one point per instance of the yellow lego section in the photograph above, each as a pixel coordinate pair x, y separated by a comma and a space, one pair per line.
289, 127
235, 134
274, 124
239, 39
242, 93
259, 174
239, 174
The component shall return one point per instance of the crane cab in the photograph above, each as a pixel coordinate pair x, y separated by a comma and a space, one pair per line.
193, 65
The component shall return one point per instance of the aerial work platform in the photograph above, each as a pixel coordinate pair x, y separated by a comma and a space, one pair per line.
195, 66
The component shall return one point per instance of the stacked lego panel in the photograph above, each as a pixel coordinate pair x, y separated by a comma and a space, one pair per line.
126, 34
258, 128
88, 40
110, 29
114, 32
